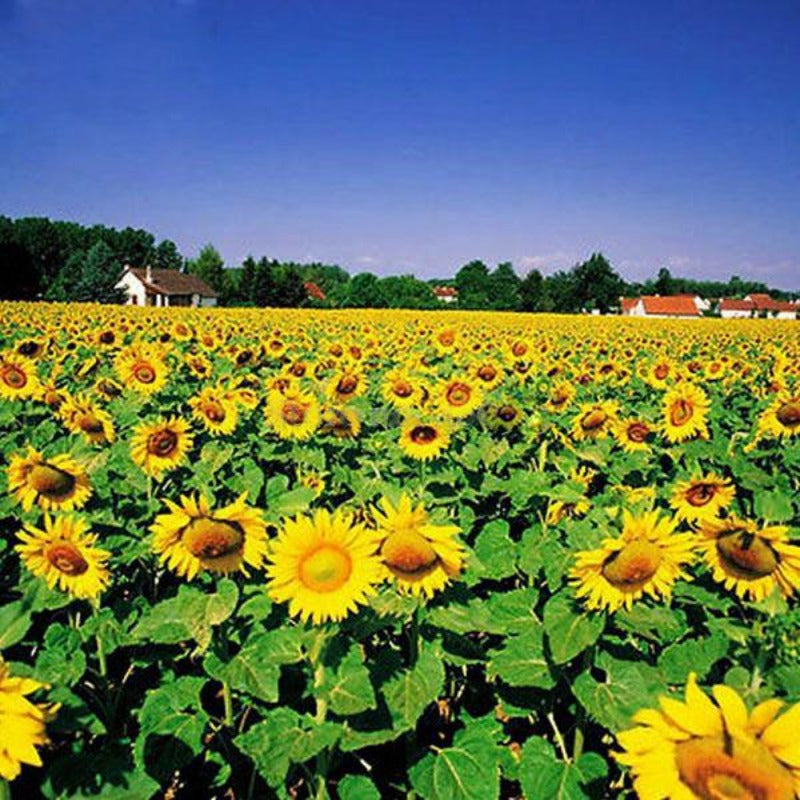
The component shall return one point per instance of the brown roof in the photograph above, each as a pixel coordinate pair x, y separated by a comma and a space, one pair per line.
170, 281
678, 306
763, 302
445, 291
728, 304
628, 303
313, 290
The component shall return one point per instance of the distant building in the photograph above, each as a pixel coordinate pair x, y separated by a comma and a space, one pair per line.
758, 305
165, 287
313, 291
446, 294
678, 306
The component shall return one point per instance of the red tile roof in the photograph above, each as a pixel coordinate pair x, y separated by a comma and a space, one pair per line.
313, 291
628, 303
679, 306
445, 291
170, 281
729, 304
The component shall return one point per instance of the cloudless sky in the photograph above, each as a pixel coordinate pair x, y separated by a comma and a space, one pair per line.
414, 136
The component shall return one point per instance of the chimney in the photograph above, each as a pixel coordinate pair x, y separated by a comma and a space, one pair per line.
149, 274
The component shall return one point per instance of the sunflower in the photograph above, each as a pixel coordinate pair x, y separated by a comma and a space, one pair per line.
198, 364
558, 510
18, 379
294, 415
503, 416
632, 434
56, 483
343, 423
22, 723
594, 420
81, 415
107, 388
192, 536
347, 383
487, 374
749, 560
646, 559
685, 410
713, 749
400, 389
659, 374
781, 419
64, 555
560, 396
325, 566
458, 397
421, 558
424, 440
312, 480
160, 446
215, 410
702, 497
142, 368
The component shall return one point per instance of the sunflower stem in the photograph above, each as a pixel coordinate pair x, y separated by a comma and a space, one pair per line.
315, 655
413, 637
101, 652
5, 789
228, 703
542, 455
559, 738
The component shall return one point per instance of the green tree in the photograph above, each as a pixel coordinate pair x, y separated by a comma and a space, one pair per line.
406, 291
262, 288
210, 266
472, 282
503, 288
597, 285
364, 291
89, 276
664, 284
532, 294
166, 256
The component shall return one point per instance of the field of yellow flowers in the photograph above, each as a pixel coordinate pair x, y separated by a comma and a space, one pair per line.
250, 554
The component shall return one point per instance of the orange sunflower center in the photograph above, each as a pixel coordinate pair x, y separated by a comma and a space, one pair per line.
162, 443
737, 769
637, 432
789, 414
214, 410
106, 337
347, 384
447, 338
507, 413
559, 397
700, 494
680, 412
408, 552
519, 349
661, 371
326, 569
144, 373
51, 481
293, 413
209, 538
746, 555
423, 434
487, 373
90, 424
632, 567
66, 558
14, 376
402, 388
458, 394
594, 420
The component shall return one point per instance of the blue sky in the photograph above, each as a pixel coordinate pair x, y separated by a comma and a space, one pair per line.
415, 136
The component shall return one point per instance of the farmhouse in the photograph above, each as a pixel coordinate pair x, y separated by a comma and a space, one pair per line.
677, 306
165, 287
757, 305
446, 294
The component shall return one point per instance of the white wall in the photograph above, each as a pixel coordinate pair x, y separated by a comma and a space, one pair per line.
134, 287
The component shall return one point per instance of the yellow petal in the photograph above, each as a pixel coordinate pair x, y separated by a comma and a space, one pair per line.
734, 711
782, 732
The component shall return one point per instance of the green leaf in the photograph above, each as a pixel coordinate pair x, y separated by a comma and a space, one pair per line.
693, 655
412, 690
569, 630
191, 615
512, 612
61, 662
774, 506
543, 775
652, 622
284, 502
495, 550
357, 787
171, 727
15, 620
348, 688
522, 661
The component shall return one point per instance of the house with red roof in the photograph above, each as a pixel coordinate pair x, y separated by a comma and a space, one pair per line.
313, 291
675, 306
165, 287
446, 294
757, 305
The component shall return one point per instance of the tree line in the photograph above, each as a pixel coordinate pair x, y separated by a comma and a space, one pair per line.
66, 261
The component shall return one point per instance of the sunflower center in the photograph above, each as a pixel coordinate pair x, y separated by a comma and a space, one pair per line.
789, 414
519, 349
144, 373
700, 494
347, 385
487, 373
215, 411
458, 394
89, 423
661, 371
51, 481
447, 338
746, 555
293, 413
630, 568
408, 551
559, 397
594, 420
14, 377
637, 432
326, 569
106, 337
66, 558
423, 434
735, 770
212, 538
681, 412
402, 389
28, 349
507, 413
162, 443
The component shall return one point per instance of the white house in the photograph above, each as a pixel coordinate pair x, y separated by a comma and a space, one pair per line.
678, 306
446, 294
165, 287
758, 305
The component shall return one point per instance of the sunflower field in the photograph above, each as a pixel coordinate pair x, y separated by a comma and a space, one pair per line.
350, 554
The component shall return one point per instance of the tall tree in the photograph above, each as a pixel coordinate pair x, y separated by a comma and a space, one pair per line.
89, 276
209, 266
532, 292
503, 288
166, 256
597, 285
472, 282
262, 289
664, 284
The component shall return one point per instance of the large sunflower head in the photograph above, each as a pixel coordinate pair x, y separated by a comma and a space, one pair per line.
17, 377
142, 369
633, 434
82, 415
594, 420
646, 559
781, 419
750, 560
294, 415
702, 497
401, 389
55, 483
421, 557
685, 411
160, 446
22, 723
192, 536
713, 749
215, 409
343, 423
64, 554
424, 440
347, 383
324, 566
458, 397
